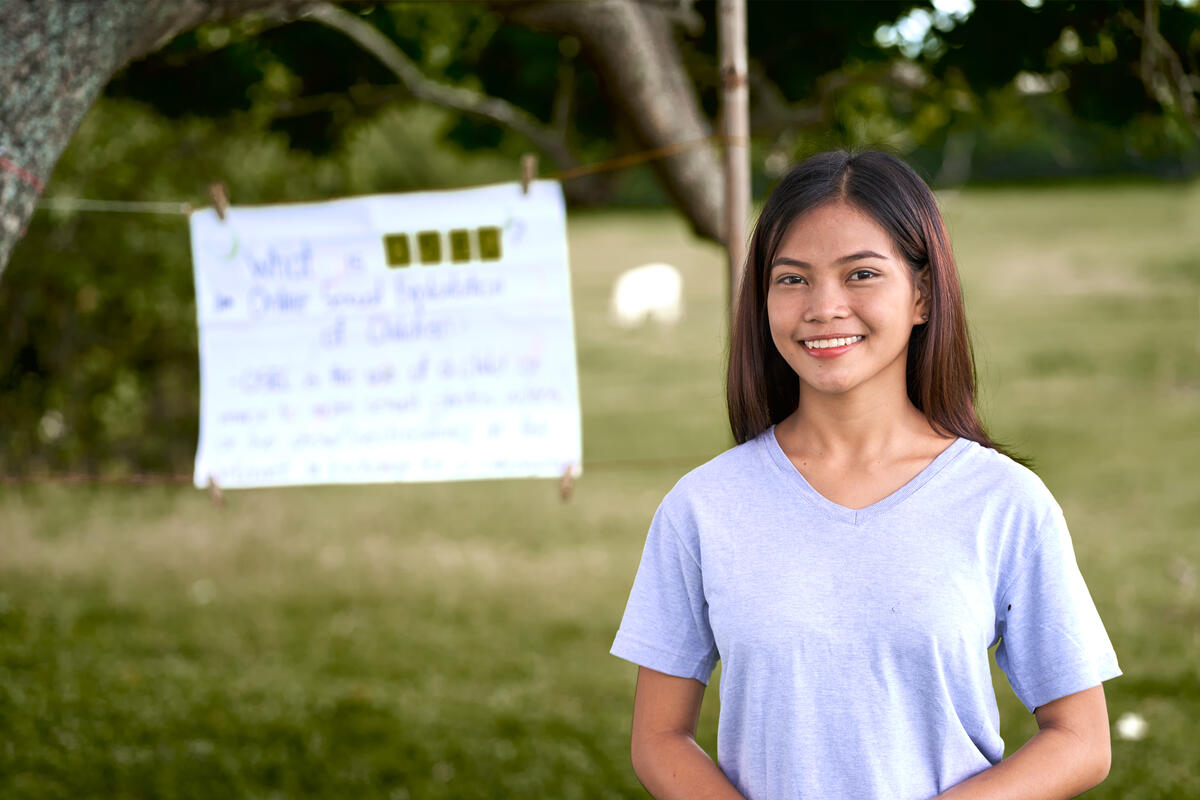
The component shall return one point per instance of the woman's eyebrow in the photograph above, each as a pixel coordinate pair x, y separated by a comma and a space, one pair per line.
859, 255
792, 262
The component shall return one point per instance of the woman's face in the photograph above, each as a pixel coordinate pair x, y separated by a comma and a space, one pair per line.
842, 303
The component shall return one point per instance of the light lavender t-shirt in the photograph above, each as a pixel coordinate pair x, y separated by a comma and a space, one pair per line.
854, 643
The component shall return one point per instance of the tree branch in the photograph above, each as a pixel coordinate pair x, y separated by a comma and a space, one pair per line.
457, 98
632, 48
564, 92
1161, 69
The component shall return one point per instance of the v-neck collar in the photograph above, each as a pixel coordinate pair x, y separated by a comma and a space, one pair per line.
856, 516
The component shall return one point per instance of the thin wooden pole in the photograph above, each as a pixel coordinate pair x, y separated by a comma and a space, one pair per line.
735, 123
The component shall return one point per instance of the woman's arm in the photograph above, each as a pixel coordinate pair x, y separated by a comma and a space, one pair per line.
666, 758
1067, 756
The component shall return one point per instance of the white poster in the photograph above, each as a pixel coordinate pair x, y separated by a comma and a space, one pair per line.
406, 337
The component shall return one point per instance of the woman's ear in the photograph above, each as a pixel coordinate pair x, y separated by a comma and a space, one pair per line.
921, 309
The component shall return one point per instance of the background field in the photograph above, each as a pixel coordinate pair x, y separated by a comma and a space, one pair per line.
450, 641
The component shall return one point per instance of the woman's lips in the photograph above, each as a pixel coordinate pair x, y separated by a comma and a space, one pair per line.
831, 346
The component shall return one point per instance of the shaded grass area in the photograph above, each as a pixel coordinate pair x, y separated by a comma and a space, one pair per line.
450, 640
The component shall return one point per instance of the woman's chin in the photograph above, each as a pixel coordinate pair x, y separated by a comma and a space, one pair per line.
828, 384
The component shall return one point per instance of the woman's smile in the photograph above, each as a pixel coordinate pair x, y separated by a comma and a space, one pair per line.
830, 346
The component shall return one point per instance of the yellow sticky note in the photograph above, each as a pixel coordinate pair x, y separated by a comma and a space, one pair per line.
489, 244
460, 245
395, 247
429, 243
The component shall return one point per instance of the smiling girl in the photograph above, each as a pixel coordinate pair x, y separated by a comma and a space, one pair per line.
854, 558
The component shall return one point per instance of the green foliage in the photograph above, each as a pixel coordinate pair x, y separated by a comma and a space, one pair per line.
315, 85
1065, 73
1022, 93
449, 640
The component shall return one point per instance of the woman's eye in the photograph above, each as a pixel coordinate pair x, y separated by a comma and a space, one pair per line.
861, 274
790, 280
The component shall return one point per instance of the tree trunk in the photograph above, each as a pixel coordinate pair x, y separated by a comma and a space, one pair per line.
632, 47
55, 58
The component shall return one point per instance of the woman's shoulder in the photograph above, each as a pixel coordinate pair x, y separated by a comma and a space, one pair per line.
988, 472
739, 462
735, 473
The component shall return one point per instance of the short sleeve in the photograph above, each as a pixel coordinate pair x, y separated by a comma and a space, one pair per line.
665, 627
1052, 641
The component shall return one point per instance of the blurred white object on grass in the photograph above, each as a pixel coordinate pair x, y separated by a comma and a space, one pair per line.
651, 291
1132, 726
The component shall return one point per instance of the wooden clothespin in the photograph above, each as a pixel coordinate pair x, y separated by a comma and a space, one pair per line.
529, 168
567, 485
214, 492
220, 198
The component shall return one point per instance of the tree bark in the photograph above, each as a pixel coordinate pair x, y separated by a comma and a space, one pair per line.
55, 58
632, 47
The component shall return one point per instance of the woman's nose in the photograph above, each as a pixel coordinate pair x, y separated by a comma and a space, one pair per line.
826, 301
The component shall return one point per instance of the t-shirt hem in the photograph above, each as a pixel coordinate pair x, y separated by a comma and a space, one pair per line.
656, 658
1084, 676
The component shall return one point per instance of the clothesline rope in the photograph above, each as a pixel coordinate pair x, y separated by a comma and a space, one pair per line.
118, 206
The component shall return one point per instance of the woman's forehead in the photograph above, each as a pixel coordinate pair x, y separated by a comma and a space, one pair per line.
833, 231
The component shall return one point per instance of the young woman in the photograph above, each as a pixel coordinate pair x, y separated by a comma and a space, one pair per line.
853, 559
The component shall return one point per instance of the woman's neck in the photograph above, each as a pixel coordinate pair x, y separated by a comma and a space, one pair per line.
856, 425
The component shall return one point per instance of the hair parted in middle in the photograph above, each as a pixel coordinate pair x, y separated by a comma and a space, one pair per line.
762, 388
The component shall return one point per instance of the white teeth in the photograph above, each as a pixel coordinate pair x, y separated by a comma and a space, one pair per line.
821, 344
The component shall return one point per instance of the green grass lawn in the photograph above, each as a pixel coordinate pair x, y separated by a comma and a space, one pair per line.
450, 640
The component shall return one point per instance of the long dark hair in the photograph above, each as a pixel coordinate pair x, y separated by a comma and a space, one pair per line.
762, 389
